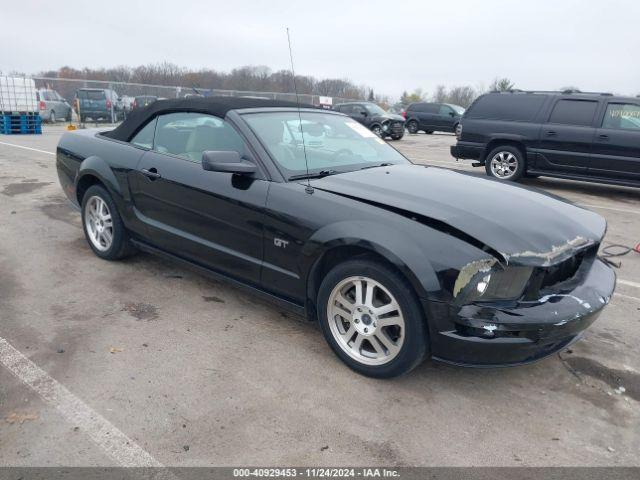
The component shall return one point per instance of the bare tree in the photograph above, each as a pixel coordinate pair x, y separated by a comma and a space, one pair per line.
440, 95
501, 85
258, 78
463, 96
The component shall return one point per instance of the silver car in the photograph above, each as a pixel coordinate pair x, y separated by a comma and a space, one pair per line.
52, 106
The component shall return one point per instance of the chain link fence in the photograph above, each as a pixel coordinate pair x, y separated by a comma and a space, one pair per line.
124, 97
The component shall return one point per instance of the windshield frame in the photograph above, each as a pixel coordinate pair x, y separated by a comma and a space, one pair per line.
285, 174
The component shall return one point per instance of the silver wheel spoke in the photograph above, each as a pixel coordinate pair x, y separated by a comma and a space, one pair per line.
388, 308
359, 287
388, 322
388, 344
357, 343
368, 301
344, 303
349, 333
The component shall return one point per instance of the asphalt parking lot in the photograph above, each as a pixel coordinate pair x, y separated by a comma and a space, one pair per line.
142, 362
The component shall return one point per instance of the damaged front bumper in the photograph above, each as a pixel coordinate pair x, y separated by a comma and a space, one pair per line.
492, 335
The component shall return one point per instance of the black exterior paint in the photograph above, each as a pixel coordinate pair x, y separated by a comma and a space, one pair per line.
581, 152
372, 121
432, 117
428, 223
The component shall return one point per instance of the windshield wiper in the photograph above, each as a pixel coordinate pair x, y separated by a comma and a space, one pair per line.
320, 174
386, 164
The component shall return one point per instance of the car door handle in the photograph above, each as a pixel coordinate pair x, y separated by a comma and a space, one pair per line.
551, 133
603, 137
151, 174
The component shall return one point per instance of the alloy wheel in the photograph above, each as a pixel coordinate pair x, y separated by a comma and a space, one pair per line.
366, 320
504, 165
377, 130
98, 223
412, 127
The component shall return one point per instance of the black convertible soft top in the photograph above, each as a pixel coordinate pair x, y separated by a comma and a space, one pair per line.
218, 106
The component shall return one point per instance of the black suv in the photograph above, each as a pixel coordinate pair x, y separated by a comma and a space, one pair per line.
383, 124
582, 136
431, 117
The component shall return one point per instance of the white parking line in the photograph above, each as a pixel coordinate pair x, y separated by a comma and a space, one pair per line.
628, 283
115, 443
627, 296
27, 148
625, 210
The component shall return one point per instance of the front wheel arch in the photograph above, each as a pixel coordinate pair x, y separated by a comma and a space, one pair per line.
338, 251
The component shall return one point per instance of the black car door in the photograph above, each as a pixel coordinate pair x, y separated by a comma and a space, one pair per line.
565, 139
359, 113
616, 146
445, 117
428, 114
211, 218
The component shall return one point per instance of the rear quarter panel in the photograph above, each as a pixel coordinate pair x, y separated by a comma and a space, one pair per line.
86, 153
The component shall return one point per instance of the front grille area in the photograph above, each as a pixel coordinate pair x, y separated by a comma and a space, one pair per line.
397, 127
561, 276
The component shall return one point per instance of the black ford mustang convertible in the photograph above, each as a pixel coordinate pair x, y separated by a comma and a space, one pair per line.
395, 261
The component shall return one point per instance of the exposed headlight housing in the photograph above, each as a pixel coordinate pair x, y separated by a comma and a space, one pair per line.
486, 282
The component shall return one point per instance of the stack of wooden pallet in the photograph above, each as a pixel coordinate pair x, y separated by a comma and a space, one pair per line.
19, 106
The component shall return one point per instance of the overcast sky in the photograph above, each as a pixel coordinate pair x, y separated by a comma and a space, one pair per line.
389, 45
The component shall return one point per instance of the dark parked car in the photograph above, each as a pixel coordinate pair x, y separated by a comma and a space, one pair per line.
52, 106
99, 104
432, 117
142, 101
591, 137
395, 261
372, 116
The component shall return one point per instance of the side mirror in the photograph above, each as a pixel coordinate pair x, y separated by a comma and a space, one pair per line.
364, 113
226, 161
452, 114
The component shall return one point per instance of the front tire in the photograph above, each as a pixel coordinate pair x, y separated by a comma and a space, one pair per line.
103, 227
372, 319
505, 163
412, 127
52, 117
377, 129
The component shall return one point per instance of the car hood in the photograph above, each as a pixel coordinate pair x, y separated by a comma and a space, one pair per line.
389, 116
521, 226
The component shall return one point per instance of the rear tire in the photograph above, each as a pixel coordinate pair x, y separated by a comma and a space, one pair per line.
102, 225
52, 117
381, 334
412, 127
505, 163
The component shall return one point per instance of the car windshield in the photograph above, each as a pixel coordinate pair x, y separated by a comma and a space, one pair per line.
374, 109
458, 109
334, 143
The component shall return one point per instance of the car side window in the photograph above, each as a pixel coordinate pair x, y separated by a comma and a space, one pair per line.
188, 135
431, 108
622, 116
144, 137
574, 112
445, 110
